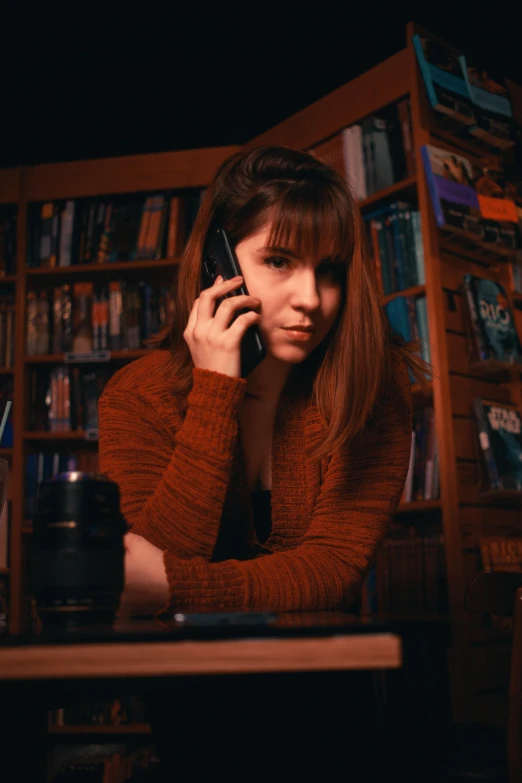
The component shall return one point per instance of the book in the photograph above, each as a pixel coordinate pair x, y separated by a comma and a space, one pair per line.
493, 113
477, 201
501, 553
499, 429
450, 180
443, 71
491, 323
82, 294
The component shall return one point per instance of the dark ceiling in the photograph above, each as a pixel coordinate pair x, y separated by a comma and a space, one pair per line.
105, 82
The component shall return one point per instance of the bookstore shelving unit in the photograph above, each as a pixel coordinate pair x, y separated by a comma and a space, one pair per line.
9, 197
478, 660
24, 186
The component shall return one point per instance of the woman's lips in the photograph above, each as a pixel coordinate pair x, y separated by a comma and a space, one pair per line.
301, 335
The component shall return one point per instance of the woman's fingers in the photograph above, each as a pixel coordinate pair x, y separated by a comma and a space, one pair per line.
208, 298
230, 307
217, 322
242, 323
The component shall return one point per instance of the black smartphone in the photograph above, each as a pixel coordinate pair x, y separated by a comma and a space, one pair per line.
220, 259
229, 619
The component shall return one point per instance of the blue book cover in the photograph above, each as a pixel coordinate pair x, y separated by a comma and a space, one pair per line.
500, 437
398, 314
442, 70
492, 321
494, 122
486, 91
419, 248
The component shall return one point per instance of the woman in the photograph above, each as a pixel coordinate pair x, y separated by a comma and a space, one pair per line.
274, 491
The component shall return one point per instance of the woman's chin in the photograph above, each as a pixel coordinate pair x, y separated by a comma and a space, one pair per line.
291, 354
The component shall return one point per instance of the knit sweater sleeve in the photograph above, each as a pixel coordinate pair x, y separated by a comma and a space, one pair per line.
173, 473
360, 493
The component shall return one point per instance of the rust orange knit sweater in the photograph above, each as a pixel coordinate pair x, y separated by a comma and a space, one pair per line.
183, 488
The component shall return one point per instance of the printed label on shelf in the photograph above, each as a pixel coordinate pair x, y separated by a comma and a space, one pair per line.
73, 357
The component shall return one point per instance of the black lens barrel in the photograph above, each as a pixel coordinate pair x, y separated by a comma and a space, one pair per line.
77, 550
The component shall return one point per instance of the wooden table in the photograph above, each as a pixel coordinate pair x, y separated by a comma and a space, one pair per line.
235, 656
37, 676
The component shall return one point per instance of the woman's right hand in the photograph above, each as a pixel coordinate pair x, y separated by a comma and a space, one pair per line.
212, 334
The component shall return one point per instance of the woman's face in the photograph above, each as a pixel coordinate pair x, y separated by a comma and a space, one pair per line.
300, 297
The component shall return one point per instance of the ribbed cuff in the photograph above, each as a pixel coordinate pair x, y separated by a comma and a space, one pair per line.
211, 421
195, 585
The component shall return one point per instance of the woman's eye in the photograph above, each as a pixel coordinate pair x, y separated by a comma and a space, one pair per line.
277, 263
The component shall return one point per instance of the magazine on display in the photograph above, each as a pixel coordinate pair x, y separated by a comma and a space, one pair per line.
491, 321
499, 428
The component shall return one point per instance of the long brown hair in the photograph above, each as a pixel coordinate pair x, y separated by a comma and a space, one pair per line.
311, 209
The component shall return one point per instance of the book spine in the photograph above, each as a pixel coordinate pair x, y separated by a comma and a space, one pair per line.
66, 233
419, 249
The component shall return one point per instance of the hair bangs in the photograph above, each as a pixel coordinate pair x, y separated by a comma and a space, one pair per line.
312, 221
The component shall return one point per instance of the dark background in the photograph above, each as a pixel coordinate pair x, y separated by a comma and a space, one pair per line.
92, 80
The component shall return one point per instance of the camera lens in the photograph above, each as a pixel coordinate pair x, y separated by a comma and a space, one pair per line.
76, 564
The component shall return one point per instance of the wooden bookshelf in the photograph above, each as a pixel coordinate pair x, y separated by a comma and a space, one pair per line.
10, 184
461, 507
24, 185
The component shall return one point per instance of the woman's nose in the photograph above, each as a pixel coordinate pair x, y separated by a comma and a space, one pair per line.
306, 292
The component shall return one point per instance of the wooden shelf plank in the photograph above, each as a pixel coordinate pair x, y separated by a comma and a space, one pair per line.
102, 269
69, 435
418, 505
96, 728
408, 186
57, 358
124, 174
414, 290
